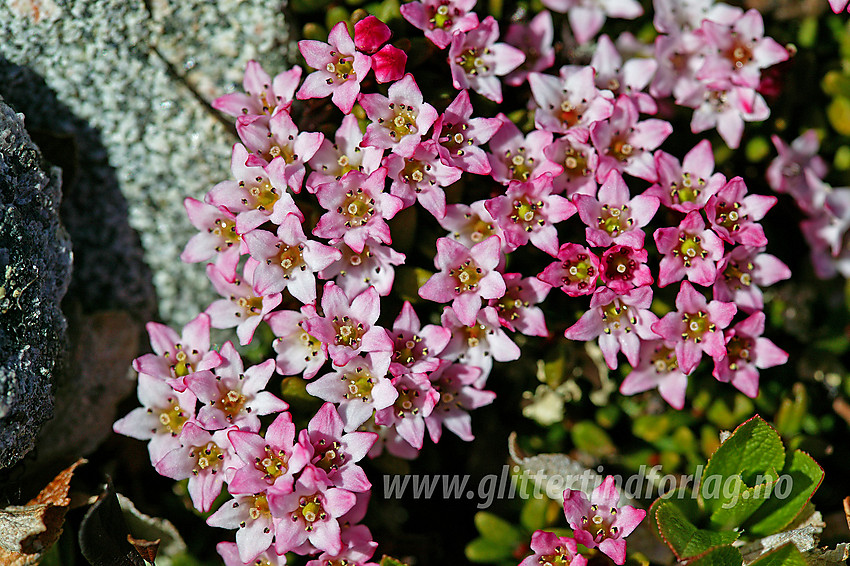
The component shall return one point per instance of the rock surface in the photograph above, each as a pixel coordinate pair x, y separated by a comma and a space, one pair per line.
35, 269
142, 73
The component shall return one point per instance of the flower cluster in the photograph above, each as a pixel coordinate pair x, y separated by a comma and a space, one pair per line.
301, 239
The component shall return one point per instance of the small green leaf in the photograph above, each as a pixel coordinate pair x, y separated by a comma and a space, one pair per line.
720, 556
497, 530
739, 502
484, 550
808, 32
792, 410
591, 438
683, 538
838, 113
753, 449
757, 149
390, 561
532, 517
795, 486
786, 555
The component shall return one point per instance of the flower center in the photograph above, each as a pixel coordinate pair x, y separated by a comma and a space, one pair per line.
454, 139
264, 196
406, 346
612, 316
289, 257
620, 265
231, 402
729, 215
209, 456
664, 359
578, 271
621, 149
696, 325
441, 16
614, 220
600, 527
251, 305
475, 335
467, 275
348, 331
509, 305
225, 229
739, 351
360, 384
472, 61
259, 507
738, 276
182, 365
524, 213
405, 403
358, 207
575, 163
403, 121
739, 53
414, 173
272, 465
342, 67
331, 457
688, 190
172, 418
311, 510
569, 114
311, 344
559, 558
690, 248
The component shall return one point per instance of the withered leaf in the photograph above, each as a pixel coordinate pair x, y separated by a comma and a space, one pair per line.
147, 548
27, 531
103, 533
847, 510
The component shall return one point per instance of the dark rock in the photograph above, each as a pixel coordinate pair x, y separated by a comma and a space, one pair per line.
35, 269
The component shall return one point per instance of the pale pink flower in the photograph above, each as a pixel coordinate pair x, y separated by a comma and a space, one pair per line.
454, 384
658, 368
587, 16
696, 326
569, 101
549, 548
477, 345
459, 136
514, 157
794, 166
601, 522
416, 348
839, 5
627, 78
421, 178
240, 307
357, 209
440, 19
579, 162
517, 310
416, 399
333, 160
535, 40
746, 353
742, 272
297, 351
734, 216
477, 61
217, 238
374, 267
688, 185
339, 68
262, 96
249, 515
400, 119
470, 224
465, 276
690, 250
726, 107
357, 548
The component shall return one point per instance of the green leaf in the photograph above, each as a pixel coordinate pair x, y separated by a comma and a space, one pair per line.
792, 410
532, 517
720, 556
803, 475
683, 538
838, 113
786, 555
753, 449
484, 550
390, 561
497, 530
739, 502
591, 438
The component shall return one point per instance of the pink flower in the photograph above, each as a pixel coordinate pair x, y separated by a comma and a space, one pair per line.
459, 136
249, 515
792, 170
569, 101
465, 276
201, 458
696, 326
416, 348
360, 387
688, 185
528, 212
457, 396
257, 195
297, 351
440, 19
388, 62
470, 225
587, 16
534, 39
601, 522
746, 353
838, 5
286, 149
217, 238
741, 50
176, 356
514, 157
624, 268
726, 107
614, 218
161, 417
340, 68
478, 344
421, 177
270, 461
628, 78
262, 96
549, 548
288, 260
333, 160
733, 216
234, 396
579, 162
372, 267
348, 327
476, 60
742, 272
516, 308
357, 209
358, 548
229, 552
335, 452
240, 307
658, 368
416, 399
620, 321
400, 119
689, 250
575, 272
626, 145
310, 514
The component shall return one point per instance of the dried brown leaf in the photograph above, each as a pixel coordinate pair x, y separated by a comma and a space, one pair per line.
147, 548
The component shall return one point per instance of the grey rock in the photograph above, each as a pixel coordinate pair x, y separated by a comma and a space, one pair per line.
142, 73
35, 269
